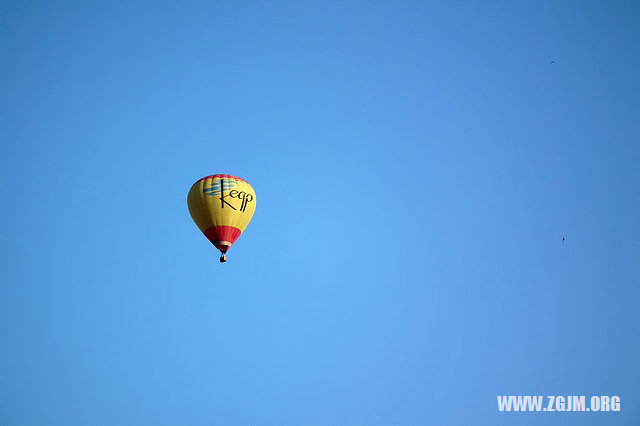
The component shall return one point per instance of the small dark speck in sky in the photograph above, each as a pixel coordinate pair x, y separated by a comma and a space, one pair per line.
553, 62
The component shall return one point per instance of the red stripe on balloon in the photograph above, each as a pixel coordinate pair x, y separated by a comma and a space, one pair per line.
222, 176
216, 234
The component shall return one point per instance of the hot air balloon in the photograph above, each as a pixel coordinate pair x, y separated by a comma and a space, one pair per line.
222, 206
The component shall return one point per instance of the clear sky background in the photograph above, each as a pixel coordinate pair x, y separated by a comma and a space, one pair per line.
417, 166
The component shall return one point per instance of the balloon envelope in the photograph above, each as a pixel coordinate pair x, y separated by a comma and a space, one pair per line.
222, 206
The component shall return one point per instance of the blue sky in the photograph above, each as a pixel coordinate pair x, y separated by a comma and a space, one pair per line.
417, 165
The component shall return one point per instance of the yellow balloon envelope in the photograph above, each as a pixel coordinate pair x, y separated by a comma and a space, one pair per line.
222, 206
